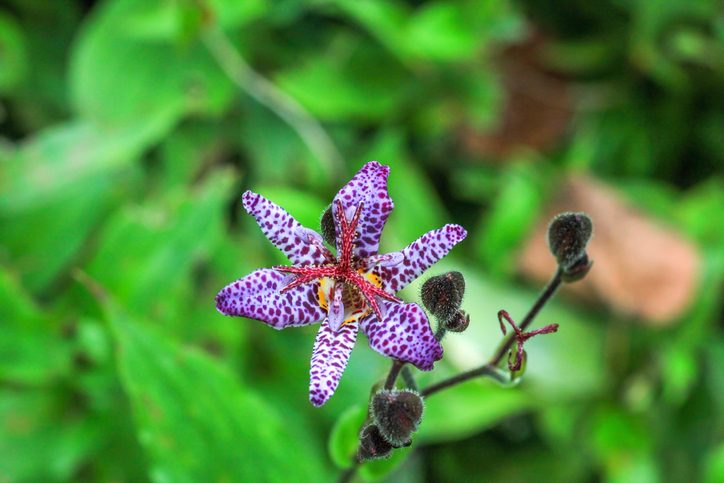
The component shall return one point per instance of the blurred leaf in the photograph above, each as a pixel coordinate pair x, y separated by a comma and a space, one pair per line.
511, 217
441, 31
195, 421
145, 254
118, 76
355, 81
679, 373
714, 465
623, 444
56, 187
39, 440
344, 437
13, 58
31, 351
375, 470
56, 161
437, 31
467, 409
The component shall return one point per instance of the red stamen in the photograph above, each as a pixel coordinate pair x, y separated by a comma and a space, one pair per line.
342, 269
521, 337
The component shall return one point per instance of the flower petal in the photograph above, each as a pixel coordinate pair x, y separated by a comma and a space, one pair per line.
404, 334
420, 255
286, 233
329, 358
368, 186
257, 296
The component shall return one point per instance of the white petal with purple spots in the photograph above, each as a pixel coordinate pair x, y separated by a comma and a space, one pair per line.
257, 296
286, 233
420, 255
404, 334
329, 359
368, 186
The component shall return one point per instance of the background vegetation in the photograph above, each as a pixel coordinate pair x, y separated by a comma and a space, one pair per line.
130, 128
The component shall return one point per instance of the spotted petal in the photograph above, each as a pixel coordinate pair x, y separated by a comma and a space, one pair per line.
404, 334
257, 296
329, 358
286, 233
368, 186
420, 255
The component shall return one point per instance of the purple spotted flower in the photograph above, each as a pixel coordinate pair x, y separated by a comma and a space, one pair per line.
350, 291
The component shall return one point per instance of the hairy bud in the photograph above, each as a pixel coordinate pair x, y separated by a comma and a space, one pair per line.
397, 414
458, 322
443, 294
329, 231
372, 445
568, 235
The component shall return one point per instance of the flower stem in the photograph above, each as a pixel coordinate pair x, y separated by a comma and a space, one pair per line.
490, 368
392, 375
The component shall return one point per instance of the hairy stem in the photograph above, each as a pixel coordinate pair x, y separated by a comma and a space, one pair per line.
392, 375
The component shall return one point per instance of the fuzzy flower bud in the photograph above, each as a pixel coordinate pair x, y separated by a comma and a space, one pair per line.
397, 414
329, 232
458, 323
372, 445
443, 294
568, 235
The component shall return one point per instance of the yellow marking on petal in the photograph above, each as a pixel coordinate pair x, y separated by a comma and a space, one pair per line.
359, 309
324, 292
372, 278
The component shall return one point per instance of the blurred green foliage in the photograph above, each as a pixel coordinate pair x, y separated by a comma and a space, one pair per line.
127, 138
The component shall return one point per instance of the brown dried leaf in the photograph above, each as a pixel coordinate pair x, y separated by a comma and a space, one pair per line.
538, 104
641, 268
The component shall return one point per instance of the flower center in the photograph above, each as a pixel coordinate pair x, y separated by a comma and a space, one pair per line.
354, 303
347, 287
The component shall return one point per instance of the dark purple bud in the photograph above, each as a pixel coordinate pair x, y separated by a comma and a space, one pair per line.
568, 235
397, 414
458, 322
578, 271
329, 231
372, 445
443, 294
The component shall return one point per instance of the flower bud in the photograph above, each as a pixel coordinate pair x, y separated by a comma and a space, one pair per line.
568, 235
372, 445
458, 322
578, 270
397, 414
442, 295
329, 231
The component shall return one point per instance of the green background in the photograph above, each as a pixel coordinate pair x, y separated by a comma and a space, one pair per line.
130, 128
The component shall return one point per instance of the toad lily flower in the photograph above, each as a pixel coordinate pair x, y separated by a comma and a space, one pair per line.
350, 291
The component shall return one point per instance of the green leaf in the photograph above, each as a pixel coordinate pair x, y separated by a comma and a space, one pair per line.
465, 410
196, 421
145, 254
442, 31
31, 350
57, 186
377, 469
514, 210
344, 437
355, 81
121, 72
714, 465
40, 439
13, 57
